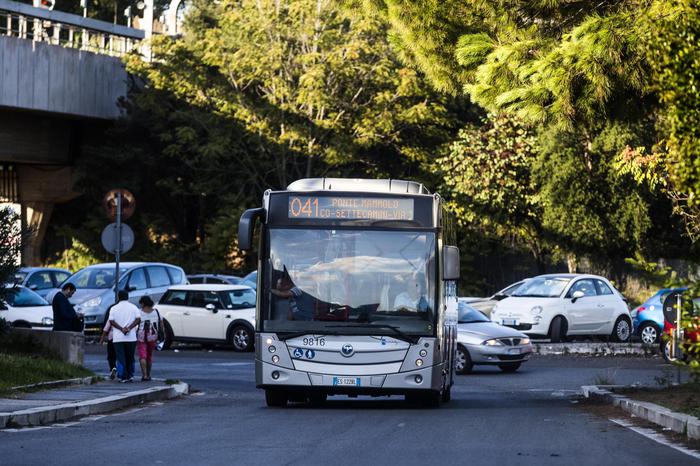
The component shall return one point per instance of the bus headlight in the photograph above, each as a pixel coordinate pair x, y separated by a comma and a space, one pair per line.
423, 353
272, 349
275, 359
275, 375
419, 362
418, 379
268, 341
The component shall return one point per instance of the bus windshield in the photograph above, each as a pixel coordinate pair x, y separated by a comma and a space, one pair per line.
350, 282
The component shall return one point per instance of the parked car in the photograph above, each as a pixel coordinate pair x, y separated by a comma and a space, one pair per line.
209, 314
560, 305
480, 341
41, 280
648, 318
486, 305
251, 279
95, 287
219, 279
687, 337
26, 309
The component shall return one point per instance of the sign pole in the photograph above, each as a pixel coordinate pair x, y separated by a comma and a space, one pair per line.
118, 243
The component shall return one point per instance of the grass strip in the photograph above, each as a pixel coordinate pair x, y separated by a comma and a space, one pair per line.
17, 369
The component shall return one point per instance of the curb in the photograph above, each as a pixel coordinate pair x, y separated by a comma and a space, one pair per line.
593, 349
677, 422
62, 412
58, 383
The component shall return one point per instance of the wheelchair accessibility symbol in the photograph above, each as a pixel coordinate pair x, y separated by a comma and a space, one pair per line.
298, 353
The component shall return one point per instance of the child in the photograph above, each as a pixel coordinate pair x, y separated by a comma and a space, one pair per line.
147, 336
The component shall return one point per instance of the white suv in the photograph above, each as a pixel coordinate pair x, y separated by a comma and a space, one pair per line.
558, 305
209, 314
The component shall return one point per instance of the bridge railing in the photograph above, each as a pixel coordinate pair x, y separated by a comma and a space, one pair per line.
67, 30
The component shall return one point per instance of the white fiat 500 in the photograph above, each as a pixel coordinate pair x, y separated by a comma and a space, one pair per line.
558, 305
24, 308
209, 314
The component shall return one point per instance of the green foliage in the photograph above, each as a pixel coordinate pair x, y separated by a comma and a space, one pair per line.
76, 257
10, 247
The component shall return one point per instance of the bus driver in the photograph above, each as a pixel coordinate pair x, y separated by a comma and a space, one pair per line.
413, 299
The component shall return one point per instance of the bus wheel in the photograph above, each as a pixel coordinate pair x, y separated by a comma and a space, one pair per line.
275, 398
428, 398
447, 394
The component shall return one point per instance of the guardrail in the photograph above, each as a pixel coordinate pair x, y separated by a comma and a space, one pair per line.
67, 30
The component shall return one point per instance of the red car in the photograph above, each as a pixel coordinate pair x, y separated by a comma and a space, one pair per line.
670, 308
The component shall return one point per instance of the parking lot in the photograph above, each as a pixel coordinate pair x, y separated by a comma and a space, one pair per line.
529, 417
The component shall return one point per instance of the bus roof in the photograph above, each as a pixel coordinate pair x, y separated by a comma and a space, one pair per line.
359, 185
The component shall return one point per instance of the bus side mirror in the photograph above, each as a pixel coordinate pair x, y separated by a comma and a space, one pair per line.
450, 255
246, 227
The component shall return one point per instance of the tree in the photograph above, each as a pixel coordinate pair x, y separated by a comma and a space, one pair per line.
10, 247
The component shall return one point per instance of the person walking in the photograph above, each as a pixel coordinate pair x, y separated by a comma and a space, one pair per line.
65, 319
124, 319
147, 336
107, 332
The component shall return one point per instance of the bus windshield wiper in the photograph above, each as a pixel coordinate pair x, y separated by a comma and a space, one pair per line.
289, 336
413, 339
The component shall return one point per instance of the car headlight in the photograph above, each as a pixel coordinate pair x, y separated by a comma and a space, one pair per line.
492, 342
536, 310
94, 302
524, 341
47, 321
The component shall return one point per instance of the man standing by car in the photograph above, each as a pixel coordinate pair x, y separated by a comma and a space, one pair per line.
65, 318
124, 318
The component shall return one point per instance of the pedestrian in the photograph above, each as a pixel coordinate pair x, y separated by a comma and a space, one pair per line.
124, 318
107, 332
147, 336
65, 319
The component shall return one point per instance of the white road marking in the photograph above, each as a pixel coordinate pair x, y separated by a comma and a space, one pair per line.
655, 436
197, 393
233, 364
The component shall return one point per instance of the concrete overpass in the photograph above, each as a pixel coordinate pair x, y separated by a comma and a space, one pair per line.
60, 78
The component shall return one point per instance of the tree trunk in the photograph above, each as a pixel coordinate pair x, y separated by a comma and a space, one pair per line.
572, 263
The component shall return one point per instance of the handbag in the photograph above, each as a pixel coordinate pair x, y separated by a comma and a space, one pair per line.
161, 332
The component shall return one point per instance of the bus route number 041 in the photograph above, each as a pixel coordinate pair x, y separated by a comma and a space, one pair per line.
307, 208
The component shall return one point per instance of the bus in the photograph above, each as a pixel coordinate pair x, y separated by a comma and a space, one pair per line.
357, 291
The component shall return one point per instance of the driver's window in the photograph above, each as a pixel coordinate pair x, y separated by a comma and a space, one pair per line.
40, 281
585, 286
137, 280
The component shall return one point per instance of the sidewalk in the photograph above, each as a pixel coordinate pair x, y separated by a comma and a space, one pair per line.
48, 406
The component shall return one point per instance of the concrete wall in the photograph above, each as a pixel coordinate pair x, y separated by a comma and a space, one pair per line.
68, 346
42, 77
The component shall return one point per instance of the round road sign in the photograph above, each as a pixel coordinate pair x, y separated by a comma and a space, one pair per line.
109, 238
109, 204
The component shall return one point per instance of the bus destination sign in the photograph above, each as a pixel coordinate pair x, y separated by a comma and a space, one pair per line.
350, 208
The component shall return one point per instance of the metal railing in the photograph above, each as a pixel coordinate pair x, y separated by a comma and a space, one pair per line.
67, 30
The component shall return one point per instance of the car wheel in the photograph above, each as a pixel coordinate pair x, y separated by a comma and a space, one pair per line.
275, 398
557, 330
649, 334
509, 367
242, 338
168, 334
463, 362
621, 330
666, 351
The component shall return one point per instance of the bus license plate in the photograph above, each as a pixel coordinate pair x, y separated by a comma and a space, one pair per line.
511, 322
347, 381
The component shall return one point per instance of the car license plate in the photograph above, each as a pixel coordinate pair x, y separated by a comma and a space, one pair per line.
347, 381
514, 351
511, 322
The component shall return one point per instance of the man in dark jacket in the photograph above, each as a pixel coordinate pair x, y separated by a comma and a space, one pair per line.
64, 316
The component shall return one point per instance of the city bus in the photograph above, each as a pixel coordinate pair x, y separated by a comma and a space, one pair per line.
357, 291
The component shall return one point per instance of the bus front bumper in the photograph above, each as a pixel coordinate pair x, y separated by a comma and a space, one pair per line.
273, 376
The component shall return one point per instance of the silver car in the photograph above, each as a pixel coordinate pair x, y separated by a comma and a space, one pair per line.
480, 341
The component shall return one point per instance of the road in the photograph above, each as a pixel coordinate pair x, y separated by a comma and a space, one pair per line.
524, 418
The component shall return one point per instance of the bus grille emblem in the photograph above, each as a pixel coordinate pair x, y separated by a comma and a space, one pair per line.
347, 350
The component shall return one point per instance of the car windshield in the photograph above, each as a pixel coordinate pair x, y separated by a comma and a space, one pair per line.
238, 299
350, 282
542, 287
23, 297
95, 277
469, 315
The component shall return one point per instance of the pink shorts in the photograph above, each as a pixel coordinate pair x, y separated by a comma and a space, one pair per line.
145, 350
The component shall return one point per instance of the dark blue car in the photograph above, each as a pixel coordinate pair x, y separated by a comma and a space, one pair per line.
648, 319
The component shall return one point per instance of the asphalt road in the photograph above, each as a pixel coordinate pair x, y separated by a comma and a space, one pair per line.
524, 418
